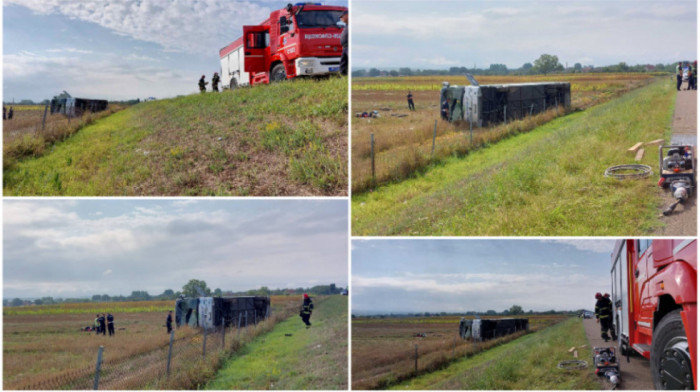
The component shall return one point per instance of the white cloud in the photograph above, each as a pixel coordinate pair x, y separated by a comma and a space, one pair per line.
180, 25
70, 50
596, 246
107, 272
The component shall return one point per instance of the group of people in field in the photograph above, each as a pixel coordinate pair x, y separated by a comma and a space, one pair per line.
692, 71
103, 323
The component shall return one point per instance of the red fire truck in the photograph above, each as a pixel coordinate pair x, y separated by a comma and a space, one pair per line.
654, 293
299, 40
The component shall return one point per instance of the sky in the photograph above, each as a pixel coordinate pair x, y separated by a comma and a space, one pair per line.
79, 248
447, 275
442, 34
119, 50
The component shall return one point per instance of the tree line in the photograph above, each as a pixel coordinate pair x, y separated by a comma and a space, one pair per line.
193, 288
515, 310
545, 64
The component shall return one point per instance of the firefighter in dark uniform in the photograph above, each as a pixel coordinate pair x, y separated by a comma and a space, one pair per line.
202, 85
215, 82
604, 316
110, 324
679, 76
409, 97
169, 321
306, 309
103, 325
344, 43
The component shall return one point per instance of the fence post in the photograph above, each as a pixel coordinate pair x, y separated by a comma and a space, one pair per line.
43, 122
371, 138
432, 151
97, 368
416, 359
170, 351
204, 344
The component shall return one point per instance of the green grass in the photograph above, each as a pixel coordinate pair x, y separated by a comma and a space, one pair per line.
546, 182
314, 358
529, 362
283, 139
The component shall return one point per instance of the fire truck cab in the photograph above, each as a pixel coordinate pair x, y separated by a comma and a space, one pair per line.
299, 40
654, 294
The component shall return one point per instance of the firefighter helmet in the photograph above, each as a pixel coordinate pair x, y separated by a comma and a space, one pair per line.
598, 295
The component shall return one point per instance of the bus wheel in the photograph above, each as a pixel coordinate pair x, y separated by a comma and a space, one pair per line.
278, 73
670, 356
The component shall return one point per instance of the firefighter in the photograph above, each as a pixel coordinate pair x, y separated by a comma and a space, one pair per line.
4, 112
103, 327
344, 43
169, 321
306, 309
445, 110
215, 82
679, 76
693, 76
10, 113
603, 315
409, 97
202, 85
110, 324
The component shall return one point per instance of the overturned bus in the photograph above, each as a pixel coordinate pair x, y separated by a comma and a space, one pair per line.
76, 107
210, 312
497, 103
484, 329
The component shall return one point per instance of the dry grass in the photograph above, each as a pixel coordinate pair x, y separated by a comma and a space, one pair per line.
383, 350
48, 351
24, 136
403, 144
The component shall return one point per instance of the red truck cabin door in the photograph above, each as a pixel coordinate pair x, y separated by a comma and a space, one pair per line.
256, 40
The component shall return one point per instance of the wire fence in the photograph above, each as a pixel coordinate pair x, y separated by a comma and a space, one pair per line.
191, 355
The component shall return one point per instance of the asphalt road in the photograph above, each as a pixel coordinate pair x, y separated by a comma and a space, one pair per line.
635, 375
684, 220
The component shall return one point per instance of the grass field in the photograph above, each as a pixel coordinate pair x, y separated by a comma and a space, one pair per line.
44, 348
403, 144
291, 357
283, 139
545, 182
383, 350
526, 363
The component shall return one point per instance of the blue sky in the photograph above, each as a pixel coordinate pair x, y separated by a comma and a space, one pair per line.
441, 34
80, 248
435, 275
122, 49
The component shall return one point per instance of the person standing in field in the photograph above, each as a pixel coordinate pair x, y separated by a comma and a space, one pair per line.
409, 97
169, 321
202, 85
110, 324
344, 43
10, 113
4, 112
103, 324
97, 324
603, 315
306, 309
679, 76
215, 82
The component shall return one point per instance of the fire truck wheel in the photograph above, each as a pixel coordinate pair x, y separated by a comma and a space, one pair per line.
278, 73
670, 357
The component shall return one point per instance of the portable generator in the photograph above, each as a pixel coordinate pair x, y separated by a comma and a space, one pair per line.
606, 364
677, 171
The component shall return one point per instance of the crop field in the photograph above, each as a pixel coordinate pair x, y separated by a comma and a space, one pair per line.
45, 348
547, 181
282, 139
403, 144
383, 350
25, 136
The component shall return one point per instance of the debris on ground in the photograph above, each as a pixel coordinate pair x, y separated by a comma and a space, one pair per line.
640, 155
634, 148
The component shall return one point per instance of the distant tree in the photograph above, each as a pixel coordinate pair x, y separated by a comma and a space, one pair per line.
96, 298
405, 71
498, 69
515, 309
26, 102
218, 292
359, 73
490, 312
526, 67
333, 289
394, 72
547, 63
374, 72
168, 293
16, 302
196, 288
578, 67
